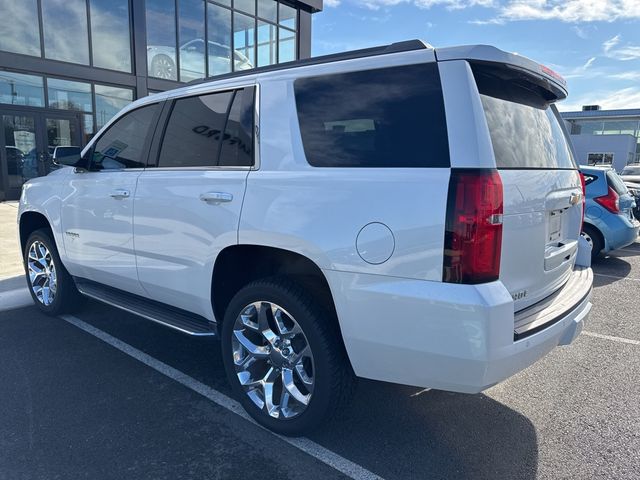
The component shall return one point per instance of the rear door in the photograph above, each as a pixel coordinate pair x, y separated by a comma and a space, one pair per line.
187, 206
542, 189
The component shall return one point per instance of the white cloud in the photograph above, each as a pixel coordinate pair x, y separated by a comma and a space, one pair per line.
571, 10
634, 76
612, 42
625, 98
580, 32
449, 4
331, 3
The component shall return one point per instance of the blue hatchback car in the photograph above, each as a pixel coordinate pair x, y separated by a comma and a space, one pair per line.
608, 222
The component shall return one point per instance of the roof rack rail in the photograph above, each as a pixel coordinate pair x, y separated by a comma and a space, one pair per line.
404, 46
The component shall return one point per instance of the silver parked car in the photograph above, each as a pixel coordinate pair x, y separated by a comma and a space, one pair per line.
631, 173
162, 60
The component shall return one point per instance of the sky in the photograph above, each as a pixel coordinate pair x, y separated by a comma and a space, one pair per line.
593, 44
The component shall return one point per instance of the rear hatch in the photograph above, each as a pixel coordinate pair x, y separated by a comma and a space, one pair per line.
626, 200
543, 203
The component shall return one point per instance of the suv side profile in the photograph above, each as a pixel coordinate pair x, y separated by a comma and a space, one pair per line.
401, 213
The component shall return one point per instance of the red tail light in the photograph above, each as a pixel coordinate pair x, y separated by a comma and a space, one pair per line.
473, 230
584, 197
610, 201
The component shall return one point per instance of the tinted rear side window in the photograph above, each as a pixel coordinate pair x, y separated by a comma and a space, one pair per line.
616, 183
192, 137
525, 130
390, 117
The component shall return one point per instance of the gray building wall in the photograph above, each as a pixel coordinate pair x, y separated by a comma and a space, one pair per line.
623, 148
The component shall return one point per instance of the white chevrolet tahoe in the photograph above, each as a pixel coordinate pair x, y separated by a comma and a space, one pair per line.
402, 213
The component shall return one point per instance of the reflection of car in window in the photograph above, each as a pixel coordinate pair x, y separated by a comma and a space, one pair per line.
162, 60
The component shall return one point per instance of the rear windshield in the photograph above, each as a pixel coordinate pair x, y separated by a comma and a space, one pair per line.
525, 130
616, 183
634, 170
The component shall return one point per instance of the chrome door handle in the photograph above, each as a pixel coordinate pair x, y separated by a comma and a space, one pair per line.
120, 194
216, 197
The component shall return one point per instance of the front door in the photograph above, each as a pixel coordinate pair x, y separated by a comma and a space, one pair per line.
26, 143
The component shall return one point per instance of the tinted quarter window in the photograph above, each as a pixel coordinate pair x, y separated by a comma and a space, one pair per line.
123, 144
237, 144
390, 117
192, 137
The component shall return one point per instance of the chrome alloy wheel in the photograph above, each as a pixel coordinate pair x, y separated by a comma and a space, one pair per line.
163, 68
42, 273
273, 359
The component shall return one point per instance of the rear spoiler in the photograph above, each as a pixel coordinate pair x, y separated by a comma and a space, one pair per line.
541, 75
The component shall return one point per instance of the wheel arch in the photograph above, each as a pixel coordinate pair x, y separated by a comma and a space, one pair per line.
598, 231
238, 265
31, 221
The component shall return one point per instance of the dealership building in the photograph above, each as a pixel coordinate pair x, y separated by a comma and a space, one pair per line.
605, 137
68, 66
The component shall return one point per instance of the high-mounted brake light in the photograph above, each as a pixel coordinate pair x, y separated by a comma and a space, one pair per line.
610, 201
473, 229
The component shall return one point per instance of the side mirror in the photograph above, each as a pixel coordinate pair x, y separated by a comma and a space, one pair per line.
69, 156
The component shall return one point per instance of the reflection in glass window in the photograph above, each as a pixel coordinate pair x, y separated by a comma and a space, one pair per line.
19, 89
219, 31
109, 101
192, 137
237, 143
287, 46
68, 95
64, 23
110, 34
122, 145
20, 33
87, 128
191, 39
288, 16
161, 39
267, 43
268, 9
243, 41
248, 6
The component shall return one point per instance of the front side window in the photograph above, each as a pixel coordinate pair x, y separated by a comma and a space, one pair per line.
210, 130
390, 117
123, 144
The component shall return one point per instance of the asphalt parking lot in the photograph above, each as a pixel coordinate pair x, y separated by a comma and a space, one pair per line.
103, 394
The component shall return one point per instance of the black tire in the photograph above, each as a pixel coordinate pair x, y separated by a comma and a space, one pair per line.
597, 243
334, 380
163, 67
66, 298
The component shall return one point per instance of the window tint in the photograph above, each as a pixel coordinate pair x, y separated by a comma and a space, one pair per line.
123, 144
391, 117
194, 138
616, 183
237, 145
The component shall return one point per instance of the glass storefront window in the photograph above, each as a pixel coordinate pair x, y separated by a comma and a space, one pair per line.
19, 89
620, 127
109, 101
68, 95
267, 43
287, 46
219, 31
110, 34
247, 6
20, 32
65, 30
161, 39
243, 41
288, 16
268, 9
191, 39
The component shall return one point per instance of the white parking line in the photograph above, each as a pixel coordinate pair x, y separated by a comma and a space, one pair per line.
612, 338
347, 467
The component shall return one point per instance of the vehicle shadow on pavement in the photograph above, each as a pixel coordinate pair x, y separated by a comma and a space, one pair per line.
404, 432
614, 266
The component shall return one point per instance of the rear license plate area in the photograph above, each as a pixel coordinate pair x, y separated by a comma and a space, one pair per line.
554, 226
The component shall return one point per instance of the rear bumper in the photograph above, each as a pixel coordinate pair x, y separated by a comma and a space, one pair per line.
619, 231
445, 336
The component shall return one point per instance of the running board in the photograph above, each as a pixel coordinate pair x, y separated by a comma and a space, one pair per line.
172, 317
